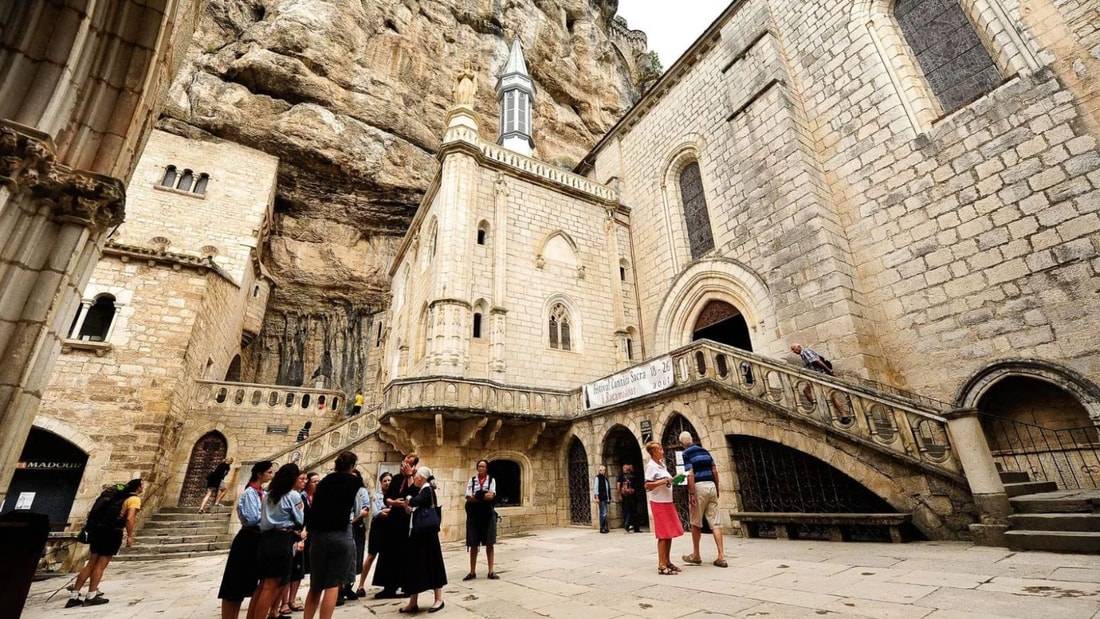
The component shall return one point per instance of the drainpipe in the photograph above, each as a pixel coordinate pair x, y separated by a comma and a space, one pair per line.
972, 450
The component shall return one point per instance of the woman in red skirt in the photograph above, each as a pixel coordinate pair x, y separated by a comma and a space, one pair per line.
666, 523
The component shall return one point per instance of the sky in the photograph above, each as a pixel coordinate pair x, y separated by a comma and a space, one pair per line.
671, 26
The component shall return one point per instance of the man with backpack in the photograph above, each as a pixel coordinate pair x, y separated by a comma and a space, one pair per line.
814, 362
110, 521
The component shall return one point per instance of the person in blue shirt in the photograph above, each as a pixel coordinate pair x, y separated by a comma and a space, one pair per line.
281, 515
239, 579
702, 498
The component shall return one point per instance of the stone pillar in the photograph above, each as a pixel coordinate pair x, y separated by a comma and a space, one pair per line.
81, 315
53, 222
611, 238
972, 450
499, 312
497, 367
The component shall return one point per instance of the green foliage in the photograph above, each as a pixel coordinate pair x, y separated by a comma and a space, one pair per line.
649, 70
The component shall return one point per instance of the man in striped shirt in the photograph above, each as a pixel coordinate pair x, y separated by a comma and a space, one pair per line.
702, 478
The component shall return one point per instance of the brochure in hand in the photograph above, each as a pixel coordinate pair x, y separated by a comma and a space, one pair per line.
679, 479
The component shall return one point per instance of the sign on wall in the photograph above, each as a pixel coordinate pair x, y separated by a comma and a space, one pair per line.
638, 381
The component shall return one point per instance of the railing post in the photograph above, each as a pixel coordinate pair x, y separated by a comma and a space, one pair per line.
972, 450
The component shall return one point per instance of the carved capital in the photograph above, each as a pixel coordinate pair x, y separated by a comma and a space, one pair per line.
28, 163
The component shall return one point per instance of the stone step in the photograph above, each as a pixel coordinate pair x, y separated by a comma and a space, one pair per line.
1055, 522
175, 549
184, 531
1029, 487
1054, 541
176, 555
1014, 477
189, 516
153, 523
145, 539
210, 509
1060, 502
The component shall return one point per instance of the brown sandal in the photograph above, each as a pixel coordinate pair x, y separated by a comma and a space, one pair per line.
667, 571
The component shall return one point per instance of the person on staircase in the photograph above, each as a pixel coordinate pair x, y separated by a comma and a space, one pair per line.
216, 484
239, 579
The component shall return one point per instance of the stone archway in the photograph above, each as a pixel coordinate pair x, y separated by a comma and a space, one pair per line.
233, 373
620, 447
205, 455
580, 499
723, 323
49, 474
670, 440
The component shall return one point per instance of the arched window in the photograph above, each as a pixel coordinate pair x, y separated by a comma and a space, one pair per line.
185, 181
169, 179
559, 328
477, 324
958, 67
97, 323
483, 233
700, 239
629, 349
507, 475
200, 185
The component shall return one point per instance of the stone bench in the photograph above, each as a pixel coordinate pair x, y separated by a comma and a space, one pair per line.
835, 523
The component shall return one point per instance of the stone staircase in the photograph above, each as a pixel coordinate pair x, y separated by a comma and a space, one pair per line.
179, 532
1046, 518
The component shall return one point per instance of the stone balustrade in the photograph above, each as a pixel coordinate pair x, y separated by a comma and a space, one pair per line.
908, 429
480, 396
213, 395
323, 446
548, 172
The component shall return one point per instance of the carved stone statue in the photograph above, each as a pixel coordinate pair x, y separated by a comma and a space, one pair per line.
465, 88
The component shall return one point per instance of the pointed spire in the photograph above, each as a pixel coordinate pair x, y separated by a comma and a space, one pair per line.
516, 93
516, 63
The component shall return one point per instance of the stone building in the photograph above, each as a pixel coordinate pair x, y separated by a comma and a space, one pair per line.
911, 189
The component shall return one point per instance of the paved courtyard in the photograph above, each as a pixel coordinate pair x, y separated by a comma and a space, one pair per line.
576, 573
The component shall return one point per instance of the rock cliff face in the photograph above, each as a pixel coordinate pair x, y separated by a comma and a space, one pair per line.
350, 95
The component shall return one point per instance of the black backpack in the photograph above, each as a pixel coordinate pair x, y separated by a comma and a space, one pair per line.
828, 364
107, 510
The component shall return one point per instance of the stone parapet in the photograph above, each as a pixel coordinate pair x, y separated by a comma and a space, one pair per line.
481, 396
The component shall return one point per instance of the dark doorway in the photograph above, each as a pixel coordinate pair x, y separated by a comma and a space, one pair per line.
47, 477
506, 474
208, 452
580, 499
674, 462
233, 374
620, 448
724, 324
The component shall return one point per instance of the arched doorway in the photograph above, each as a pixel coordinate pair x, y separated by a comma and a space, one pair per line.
47, 477
580, 499
233, 374
1037, 427
207, 453
723, 323
674, 461
621, 448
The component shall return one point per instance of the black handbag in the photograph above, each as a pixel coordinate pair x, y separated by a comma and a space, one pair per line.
426, 518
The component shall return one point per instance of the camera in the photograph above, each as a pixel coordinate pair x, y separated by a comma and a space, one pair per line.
480, 495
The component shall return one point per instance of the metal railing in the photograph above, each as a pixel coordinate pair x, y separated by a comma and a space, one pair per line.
1069, 457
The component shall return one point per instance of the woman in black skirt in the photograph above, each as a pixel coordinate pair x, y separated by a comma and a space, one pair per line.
239, 579
426, 569
300, 567
280, 519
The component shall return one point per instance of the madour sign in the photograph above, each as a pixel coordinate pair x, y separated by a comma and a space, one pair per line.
636, 382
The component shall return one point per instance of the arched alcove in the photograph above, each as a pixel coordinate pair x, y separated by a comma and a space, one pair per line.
580, 498
48, 476
723, 323
233, 372
621, 447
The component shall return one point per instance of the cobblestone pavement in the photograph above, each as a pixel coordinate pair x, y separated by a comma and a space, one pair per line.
580, 574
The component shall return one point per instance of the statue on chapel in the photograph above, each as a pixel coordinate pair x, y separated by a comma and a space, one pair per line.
465, 88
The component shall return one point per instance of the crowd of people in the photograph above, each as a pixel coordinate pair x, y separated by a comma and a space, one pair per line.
334, 529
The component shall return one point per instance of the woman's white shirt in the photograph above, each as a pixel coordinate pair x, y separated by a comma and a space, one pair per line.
653, 472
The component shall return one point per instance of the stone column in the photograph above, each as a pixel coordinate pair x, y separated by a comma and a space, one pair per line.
499, 311
620, 334
971, 448
53, 222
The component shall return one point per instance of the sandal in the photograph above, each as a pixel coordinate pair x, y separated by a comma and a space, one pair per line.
675, 568
721, 563
665, 571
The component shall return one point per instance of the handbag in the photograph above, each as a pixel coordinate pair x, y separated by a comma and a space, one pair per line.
426, 518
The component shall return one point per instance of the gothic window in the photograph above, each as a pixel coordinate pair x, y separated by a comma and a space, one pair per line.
559, 328
477, 324
953, 59
482, 232
97, 322
169, 178
200, 185
185, 181
700, 239
507, 475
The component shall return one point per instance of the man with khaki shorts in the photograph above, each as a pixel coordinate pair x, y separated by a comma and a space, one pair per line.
703, 498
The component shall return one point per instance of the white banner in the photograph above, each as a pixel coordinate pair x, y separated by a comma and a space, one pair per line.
636, 382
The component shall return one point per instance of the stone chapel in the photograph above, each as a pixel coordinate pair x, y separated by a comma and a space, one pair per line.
911, 189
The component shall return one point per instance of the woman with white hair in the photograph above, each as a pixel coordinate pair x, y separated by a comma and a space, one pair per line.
426, 569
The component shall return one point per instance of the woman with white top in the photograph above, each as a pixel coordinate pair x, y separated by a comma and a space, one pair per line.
666, 523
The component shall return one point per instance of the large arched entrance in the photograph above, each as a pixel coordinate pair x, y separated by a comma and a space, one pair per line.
207, 453
580, 500
674, 461
621, 448
723, 323
1036, 427
47, 477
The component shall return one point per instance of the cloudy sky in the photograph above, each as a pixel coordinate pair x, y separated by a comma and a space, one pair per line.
671, 25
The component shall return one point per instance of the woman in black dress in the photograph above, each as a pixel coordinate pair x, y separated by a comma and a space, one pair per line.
425, 567
215, 483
